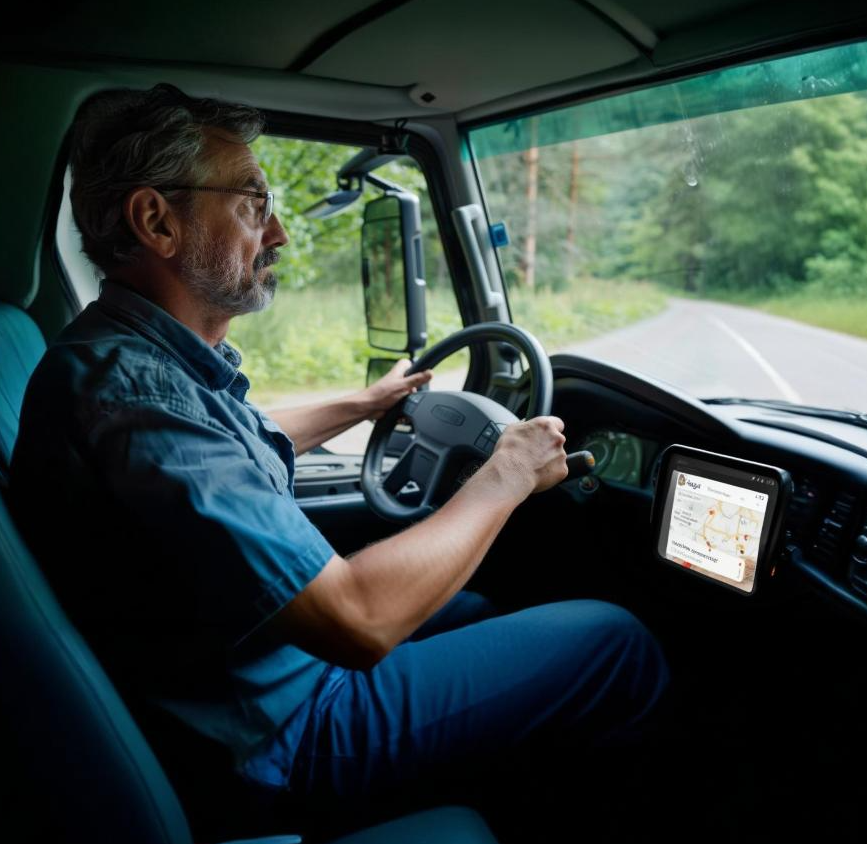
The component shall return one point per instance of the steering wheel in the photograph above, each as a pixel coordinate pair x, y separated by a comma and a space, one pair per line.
449, 426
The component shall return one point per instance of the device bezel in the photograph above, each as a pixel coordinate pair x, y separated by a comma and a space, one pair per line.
683, 457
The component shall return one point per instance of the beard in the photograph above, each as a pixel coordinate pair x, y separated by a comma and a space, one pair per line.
219, 278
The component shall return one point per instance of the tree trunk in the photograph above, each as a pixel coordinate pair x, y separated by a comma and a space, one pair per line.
531, 158
574, 175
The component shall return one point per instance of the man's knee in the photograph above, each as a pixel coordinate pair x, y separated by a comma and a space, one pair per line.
640, 671
619, 667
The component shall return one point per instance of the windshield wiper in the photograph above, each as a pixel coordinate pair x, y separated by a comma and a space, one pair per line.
851, 417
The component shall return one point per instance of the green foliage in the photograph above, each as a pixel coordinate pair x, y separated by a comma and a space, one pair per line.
327, 252
301, 173
777, 201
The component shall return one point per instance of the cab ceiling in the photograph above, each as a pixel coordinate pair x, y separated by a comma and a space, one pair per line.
396, 58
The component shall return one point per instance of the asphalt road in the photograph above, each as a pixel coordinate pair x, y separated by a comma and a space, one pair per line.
708, 349
715, 350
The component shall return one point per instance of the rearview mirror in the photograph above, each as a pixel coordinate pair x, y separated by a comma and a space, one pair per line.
392, 273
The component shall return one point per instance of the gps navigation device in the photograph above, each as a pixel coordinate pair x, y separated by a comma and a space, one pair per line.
719, 517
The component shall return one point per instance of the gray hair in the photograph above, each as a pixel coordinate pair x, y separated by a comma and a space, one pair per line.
124, 139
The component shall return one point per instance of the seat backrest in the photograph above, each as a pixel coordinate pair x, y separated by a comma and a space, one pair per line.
89, 760
62, 712
21, 347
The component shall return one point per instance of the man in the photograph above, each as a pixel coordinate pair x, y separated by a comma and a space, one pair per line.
204, 588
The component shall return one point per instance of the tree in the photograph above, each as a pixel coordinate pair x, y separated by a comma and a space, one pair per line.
763, 198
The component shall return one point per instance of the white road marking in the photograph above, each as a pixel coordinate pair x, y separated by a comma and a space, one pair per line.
779, 382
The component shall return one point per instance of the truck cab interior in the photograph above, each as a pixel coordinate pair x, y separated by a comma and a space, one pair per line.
709, 155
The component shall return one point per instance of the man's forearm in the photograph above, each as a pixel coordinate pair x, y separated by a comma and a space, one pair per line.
314, 424
436, 557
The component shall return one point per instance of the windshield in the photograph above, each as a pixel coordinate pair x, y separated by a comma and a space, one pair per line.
710, 232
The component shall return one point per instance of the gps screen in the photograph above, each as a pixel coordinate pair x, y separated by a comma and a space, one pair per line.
714, 521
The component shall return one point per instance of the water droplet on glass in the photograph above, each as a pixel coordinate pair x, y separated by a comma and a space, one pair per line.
812, 87
690, 175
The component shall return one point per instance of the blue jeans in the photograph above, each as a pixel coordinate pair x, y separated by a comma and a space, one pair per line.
470, 685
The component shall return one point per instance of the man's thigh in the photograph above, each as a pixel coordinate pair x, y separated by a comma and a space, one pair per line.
577, 670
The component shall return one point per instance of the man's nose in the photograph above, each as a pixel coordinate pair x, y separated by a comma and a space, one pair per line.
275, 234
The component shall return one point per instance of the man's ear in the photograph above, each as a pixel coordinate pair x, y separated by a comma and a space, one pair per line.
152, 222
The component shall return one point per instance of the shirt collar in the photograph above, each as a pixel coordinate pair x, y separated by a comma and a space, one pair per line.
217, 366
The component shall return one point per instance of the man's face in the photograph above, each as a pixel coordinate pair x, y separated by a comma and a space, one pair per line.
226, 249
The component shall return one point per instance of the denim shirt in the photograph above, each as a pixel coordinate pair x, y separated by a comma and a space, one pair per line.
174, 530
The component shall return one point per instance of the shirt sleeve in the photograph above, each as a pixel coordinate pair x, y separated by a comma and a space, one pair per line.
241, 546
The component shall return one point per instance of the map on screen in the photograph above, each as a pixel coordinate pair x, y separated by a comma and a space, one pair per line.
716, 528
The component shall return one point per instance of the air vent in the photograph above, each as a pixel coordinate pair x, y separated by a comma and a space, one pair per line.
802, 512
858, 557
827, 549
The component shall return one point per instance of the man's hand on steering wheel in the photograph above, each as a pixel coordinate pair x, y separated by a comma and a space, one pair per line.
383, 394
531, 454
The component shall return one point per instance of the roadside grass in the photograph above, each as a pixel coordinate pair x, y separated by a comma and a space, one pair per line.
315, 338
845, 313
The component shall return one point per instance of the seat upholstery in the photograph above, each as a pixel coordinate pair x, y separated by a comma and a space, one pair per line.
75, 744
86, 751
21, 347
448, 825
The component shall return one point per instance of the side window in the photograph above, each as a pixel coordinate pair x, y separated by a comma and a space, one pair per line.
310, 345
83, 276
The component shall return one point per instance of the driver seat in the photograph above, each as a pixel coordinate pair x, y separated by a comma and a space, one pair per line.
81, 769
21, 347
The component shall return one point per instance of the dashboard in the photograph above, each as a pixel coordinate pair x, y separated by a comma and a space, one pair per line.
627, 420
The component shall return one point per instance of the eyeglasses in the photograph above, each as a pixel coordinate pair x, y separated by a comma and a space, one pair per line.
268, 196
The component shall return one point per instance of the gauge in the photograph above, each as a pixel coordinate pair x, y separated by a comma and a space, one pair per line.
601, 447
618, 456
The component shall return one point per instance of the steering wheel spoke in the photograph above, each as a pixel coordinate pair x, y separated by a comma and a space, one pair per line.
416, 464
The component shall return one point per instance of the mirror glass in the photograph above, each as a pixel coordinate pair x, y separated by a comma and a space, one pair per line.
383, 274
377, 367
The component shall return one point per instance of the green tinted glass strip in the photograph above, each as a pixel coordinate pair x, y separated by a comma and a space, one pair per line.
838, 70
